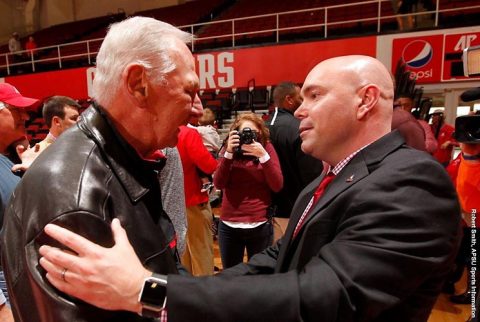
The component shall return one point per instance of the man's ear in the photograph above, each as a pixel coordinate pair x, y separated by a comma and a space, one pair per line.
56, 121
289, 99
369, 95
136, 83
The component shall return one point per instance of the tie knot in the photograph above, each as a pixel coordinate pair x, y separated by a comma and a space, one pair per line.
322, 186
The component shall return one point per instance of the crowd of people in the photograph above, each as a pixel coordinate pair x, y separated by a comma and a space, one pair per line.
340, 218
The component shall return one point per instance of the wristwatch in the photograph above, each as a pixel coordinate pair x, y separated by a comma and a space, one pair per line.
153, 296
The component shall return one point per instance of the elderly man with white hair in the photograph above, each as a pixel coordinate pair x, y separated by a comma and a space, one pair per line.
105, 167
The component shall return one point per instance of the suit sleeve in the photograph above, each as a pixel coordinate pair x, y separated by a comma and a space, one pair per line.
383, 250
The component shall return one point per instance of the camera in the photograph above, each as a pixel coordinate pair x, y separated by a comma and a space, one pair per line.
467, 129
247, 136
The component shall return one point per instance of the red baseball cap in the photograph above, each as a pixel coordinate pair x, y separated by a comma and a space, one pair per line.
10, 95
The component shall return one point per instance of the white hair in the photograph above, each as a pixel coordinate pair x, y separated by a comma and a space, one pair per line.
139, 40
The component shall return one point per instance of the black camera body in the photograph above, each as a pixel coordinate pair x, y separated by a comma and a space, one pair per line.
247, 136
467, 129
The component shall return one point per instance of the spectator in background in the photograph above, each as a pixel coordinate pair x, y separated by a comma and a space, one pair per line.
15, 48
444, 135
208, 132
14, 44
298, 168
465, 171
406, 7
198, 255
248, 173
211, 140
406, 104
59, 113
409, 128
31, 45
13, 114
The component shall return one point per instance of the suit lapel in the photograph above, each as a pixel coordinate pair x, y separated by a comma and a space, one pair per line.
300, 205
354, 172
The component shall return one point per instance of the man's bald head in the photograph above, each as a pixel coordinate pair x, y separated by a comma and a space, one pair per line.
347, 104
358, 71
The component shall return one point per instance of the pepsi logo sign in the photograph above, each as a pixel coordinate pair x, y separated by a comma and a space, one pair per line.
417, 53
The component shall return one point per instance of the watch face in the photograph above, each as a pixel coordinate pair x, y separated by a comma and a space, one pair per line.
154, 293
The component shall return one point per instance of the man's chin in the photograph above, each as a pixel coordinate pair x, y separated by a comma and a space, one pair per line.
306, 148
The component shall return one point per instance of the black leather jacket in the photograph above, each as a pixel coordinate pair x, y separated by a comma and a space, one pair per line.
86, 178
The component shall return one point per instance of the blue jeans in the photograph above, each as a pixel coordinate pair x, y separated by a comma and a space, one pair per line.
233, 241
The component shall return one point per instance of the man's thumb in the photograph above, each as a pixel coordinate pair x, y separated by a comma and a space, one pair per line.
119, 234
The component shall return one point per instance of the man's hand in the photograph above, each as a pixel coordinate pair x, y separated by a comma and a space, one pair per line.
109, 278
27, 155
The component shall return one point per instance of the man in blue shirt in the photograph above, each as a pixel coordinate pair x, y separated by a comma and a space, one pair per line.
13, 114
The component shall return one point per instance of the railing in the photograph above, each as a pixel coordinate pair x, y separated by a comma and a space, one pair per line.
85, 51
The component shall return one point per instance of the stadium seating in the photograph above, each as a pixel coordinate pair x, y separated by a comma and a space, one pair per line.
307, 21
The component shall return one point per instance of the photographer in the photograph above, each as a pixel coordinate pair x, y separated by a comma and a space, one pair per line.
248, 173
465, 171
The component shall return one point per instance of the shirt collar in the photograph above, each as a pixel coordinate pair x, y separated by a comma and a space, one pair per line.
340, 165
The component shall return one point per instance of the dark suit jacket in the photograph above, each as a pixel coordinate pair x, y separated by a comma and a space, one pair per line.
376, 248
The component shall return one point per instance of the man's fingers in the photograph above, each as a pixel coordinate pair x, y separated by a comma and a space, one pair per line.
18, 167
63, 286
52, 269
119, 234
60, 259
73, 241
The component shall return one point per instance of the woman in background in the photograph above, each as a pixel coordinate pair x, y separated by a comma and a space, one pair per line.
248, 172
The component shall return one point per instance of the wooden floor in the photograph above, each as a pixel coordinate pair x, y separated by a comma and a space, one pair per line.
446, 311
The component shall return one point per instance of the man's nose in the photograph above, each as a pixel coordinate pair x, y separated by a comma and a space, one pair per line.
300, 112
197, 107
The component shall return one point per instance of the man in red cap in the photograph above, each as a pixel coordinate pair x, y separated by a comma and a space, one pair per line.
13, 114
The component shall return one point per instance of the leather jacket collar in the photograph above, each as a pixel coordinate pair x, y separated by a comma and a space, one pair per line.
135, 174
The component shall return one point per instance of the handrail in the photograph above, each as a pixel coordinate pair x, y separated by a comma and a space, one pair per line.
63, 53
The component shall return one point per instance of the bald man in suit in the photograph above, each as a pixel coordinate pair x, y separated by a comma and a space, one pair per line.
375, 246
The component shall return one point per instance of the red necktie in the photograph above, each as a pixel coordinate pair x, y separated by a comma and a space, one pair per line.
317, 194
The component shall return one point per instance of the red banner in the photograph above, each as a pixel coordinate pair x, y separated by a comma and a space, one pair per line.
272, 64
67, 82
265, 65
